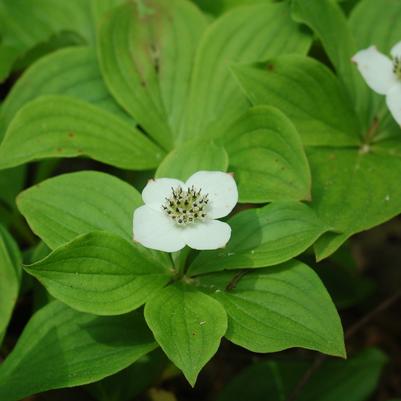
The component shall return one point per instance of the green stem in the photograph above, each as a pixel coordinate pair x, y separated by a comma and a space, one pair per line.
180, 259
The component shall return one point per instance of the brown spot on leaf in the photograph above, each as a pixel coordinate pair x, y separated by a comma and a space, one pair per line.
270, 67
71, 135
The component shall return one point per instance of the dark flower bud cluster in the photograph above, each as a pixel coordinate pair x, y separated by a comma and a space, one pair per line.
186, 206
397, 67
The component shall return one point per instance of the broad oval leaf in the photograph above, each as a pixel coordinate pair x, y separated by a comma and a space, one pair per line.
100, 273
10, 273
267, 157
146, 54
264, 237
63, 207
366, 182
188, 325
330, 25
61, 347
242, 35
277, 308
308, 93
60, 126
71, 72
191, 157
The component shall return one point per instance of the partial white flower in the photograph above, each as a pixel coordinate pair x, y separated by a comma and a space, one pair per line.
383, 75
176, 214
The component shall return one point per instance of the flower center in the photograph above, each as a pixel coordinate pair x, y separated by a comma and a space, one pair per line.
186, 206
397, 67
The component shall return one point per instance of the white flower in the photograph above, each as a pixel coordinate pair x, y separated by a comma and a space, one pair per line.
176, 214
383, 75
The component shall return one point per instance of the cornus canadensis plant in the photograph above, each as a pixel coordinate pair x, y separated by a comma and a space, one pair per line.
383, 75
176, 214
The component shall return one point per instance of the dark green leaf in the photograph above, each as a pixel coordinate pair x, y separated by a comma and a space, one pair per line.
351, 380
61, 347
10, 277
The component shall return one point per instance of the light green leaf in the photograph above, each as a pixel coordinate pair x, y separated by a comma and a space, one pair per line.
59, 126
146, 55
61, 347
100, 7
188, 325
71, 72
242, 35
308, 93
191, 157
267, 157
277, 308
353, 380
63, 207
24, 24
367, 183
10, 274
221, 6
100, 273
263, 237
329, 23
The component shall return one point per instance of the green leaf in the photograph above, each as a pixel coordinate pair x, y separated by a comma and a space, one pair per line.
267, 157
61, 347
11, 183
100, 273
220, 6
146, 55
63, 207
10, 274
367, 183
242, 35
191, 157
277, 308
353, 380
263, 237
188, 325
308, 93
17, 17
59, 126
71, 72
329, 23
100, 7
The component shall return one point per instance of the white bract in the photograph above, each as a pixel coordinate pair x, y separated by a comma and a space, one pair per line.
176, 214
383, 75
